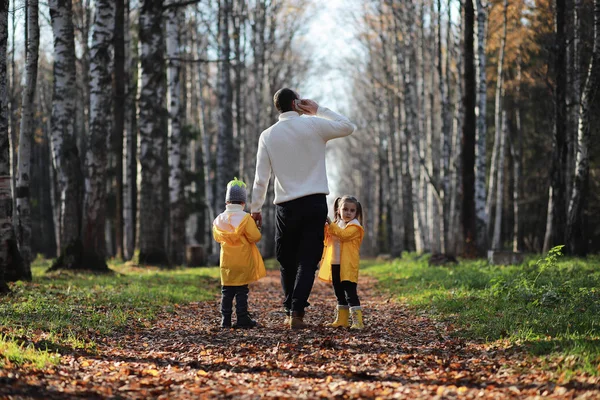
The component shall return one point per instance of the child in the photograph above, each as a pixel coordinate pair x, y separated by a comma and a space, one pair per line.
341, 257
240, 261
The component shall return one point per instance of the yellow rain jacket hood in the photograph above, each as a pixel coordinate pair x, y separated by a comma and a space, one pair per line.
350, 239
240, 261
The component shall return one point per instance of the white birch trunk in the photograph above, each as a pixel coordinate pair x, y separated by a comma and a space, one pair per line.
494, 168
456, 231
413, 131
481, 216
96, 163
421, 140
65, 156
151, 138
206, 159
176, 189
23, 209
574, 94
5, 175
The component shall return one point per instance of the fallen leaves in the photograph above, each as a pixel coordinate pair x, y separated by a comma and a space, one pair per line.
183, 354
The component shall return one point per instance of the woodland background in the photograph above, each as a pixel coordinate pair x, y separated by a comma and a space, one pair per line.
124, 120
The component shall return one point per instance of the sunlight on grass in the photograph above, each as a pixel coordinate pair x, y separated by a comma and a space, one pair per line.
551, 307
65, 309
12, 352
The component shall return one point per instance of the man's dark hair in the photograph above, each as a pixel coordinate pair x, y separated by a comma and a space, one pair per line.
283, 99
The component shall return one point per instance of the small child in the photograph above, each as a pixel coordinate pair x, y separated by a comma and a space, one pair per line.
341, 257
240, 261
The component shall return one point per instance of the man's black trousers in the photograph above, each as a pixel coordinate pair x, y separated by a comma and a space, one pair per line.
299, 246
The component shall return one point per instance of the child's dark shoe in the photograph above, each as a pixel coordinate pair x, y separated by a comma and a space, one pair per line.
244, 321
226, 321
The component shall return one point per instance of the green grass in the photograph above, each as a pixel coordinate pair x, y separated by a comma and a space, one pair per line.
549, 306
14, 353
65, 311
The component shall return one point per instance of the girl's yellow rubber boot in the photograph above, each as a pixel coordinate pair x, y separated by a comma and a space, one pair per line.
342, 317
357, 318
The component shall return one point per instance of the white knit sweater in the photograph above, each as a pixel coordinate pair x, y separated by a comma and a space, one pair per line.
294, 150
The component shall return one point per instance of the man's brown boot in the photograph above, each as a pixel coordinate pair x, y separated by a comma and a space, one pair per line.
297, 320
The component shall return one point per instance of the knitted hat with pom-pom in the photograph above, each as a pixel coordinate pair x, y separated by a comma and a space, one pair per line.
236, 191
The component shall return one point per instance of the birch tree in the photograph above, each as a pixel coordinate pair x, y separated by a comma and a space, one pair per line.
100, 134
5, 176
151, 138
23, 223
497, 121
65, 155
575, 240
176, 192
481, 211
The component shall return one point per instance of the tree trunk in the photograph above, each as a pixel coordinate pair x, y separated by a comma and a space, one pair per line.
575, 238
120, 80
152, 136
130, 141
22, 193
468, 140
574, 92
497, 238
517, 150
65, 155
481, 211
557, 215
226, 164
208, 195
494, 168
94, 218
176, 192
5, 179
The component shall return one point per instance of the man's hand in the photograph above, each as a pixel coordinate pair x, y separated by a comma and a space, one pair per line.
257, 217
308, 107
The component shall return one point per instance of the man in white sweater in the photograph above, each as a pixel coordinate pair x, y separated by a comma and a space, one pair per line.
294, 150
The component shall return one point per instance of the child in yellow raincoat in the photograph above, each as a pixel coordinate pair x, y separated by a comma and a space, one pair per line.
341, 256
240, 261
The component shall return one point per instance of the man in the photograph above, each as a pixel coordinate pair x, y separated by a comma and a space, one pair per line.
294, 150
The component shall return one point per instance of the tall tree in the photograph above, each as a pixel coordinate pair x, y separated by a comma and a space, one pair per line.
575, 239
65, 155
226, 165
176, 184
497, 166
23, 223
119, 83
468, 135
152, 137
5, 176
130, 139
100, 136
481, 212
557, 207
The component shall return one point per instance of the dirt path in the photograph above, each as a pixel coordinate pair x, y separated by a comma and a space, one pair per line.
399, 355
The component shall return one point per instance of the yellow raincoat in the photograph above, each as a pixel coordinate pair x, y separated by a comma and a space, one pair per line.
350, 239
241, 262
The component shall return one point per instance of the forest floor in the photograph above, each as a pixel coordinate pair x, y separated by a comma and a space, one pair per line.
184, 354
